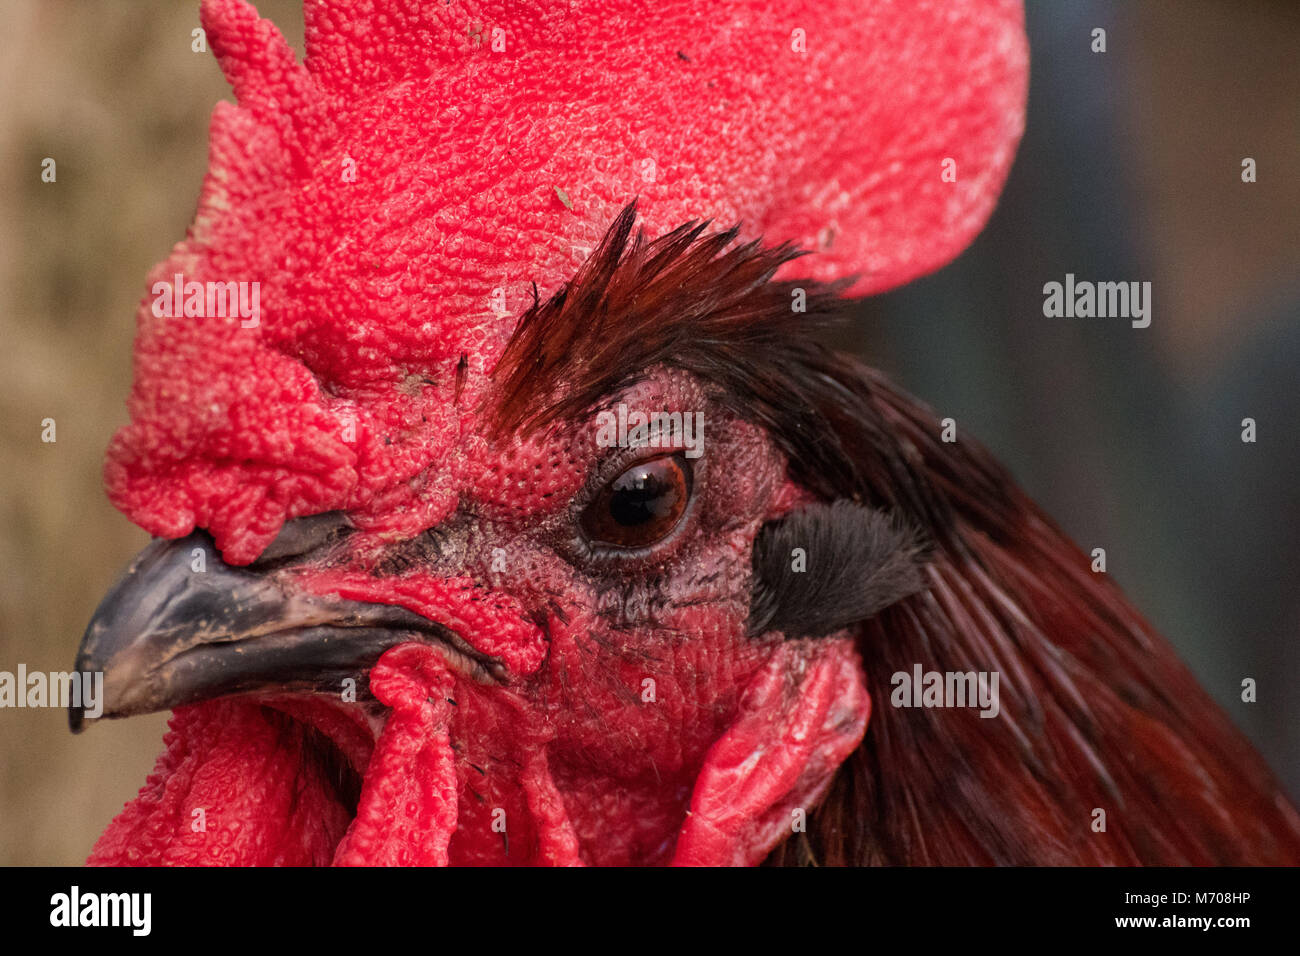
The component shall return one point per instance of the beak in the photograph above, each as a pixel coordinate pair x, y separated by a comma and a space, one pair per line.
181, 627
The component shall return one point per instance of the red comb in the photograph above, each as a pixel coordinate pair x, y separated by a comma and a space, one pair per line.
491, 148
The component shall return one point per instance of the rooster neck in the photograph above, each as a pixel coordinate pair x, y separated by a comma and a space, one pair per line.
1105, 750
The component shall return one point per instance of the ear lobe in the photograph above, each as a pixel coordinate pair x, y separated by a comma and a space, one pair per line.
826, 567
800, 718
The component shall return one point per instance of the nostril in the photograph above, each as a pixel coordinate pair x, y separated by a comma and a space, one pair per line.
303, 535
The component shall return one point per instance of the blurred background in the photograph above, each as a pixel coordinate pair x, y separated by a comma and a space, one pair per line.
1130, 170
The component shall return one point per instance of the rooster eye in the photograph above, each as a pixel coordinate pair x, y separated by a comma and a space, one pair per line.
641, 506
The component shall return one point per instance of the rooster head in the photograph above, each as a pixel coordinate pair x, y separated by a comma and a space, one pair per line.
421, 591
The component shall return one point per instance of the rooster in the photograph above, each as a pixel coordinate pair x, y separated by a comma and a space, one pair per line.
411, 605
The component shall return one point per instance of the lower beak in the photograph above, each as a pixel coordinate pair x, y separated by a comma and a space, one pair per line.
182, 627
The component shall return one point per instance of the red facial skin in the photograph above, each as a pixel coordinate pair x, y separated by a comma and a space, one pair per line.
346, 397
578, 756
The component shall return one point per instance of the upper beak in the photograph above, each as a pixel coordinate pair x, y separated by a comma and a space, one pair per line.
176, 630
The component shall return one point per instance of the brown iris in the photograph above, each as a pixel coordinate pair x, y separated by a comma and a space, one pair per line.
641, 506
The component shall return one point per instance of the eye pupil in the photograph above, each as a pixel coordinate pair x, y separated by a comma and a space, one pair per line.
640, 506
640, 495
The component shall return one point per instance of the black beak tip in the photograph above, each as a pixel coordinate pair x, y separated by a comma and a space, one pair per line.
77, 721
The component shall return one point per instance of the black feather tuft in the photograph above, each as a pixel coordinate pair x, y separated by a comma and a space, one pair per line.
856, 561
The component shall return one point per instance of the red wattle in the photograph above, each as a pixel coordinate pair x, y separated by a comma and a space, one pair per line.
232, 788
407, 813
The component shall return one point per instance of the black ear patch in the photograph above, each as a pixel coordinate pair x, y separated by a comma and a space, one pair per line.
825, 567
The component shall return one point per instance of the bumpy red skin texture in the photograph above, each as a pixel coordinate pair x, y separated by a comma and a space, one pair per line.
407, 812
234, 787
230, 789
799, 719
570, 754
346, 397
372, 289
